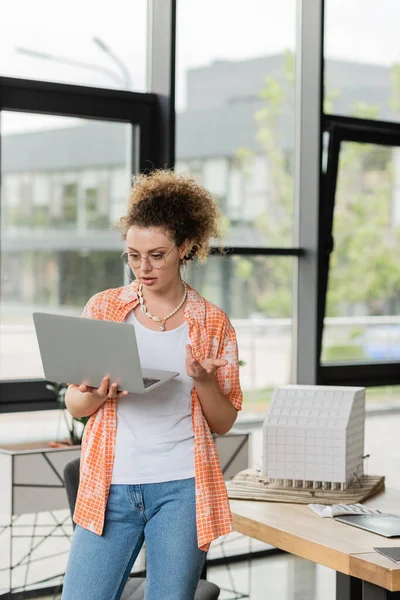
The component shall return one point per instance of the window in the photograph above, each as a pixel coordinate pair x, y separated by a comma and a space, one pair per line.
362, 68
235, 135
235, 121
359, 276
39, 43
63, 189
256, 293
363, 303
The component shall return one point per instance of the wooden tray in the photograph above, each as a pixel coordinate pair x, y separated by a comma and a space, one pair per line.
251, 485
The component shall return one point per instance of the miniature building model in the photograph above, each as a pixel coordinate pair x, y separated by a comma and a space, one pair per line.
314, 435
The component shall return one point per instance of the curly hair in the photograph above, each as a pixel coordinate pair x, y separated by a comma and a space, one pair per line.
177, 204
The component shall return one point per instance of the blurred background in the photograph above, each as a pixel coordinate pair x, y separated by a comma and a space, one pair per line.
311, 276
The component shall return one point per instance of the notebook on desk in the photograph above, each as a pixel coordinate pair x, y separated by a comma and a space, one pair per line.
383, 524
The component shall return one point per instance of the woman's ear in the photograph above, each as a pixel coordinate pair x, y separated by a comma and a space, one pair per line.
184, 249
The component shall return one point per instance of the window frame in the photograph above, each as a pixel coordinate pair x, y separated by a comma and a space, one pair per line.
36, 97
347, 129
152, 112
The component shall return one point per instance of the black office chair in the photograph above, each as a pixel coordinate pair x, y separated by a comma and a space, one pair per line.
135, 586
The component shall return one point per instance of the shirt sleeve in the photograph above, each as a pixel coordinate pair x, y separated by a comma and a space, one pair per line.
91, 309
228, 377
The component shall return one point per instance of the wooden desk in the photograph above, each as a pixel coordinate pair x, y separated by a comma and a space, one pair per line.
362, 573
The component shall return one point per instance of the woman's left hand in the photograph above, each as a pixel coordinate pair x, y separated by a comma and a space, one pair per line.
205, 369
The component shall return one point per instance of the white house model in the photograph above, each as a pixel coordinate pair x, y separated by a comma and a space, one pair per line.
314, 436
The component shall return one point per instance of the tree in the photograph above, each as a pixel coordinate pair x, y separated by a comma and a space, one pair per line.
270, 277
364, 264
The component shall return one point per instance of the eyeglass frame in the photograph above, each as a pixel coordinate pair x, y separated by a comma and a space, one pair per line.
145, 257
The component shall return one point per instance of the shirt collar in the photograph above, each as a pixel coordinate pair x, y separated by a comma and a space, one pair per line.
195, 309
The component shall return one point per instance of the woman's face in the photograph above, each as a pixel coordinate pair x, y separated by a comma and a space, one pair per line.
153, 256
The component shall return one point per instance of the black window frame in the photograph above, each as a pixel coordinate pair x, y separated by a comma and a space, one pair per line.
153, 112
141, 110
344, 129
347, 129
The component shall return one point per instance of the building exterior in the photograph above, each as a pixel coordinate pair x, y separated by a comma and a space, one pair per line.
62, 189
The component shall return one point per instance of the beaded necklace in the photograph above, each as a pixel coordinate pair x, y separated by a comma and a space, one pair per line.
160, 320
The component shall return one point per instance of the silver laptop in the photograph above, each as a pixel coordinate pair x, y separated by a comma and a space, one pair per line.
74, 349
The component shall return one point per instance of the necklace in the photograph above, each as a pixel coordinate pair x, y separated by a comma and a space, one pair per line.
159, 319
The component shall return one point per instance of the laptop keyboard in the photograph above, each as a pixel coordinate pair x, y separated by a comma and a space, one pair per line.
148, 381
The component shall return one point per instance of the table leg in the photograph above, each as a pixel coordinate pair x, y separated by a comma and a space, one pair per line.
348, 588
374, 592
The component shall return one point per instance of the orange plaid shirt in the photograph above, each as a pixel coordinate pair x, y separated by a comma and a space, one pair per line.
211, 336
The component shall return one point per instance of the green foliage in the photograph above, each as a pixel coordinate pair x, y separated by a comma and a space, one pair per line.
259, 400
363, 110
330, 97
268, 279
244, 268
394, 102
224, 225
342, 353
75, 433
289, 67
364, 264
243, 159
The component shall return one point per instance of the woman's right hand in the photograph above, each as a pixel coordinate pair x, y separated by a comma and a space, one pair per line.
105, 390
83, 400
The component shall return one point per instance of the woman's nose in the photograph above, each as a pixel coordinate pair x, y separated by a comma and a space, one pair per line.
145, 264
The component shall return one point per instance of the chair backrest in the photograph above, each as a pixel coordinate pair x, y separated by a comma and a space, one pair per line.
71, 481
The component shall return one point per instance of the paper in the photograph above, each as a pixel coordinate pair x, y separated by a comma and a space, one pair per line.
335, 510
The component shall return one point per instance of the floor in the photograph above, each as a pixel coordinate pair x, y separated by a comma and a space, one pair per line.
281, 577
276, 578
284, 577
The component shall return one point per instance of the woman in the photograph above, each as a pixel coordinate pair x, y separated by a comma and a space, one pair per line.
149, 468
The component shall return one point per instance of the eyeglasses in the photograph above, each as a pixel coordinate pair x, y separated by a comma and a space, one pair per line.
157, 260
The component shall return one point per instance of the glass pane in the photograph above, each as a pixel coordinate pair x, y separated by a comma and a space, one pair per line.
256, 293
383, 398
235, 121
362, 63
63, 187
363, 302
82, 46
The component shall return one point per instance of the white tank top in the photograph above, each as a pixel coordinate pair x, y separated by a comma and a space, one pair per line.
155, 439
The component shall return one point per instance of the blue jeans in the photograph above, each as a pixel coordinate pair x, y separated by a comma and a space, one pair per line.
163, 515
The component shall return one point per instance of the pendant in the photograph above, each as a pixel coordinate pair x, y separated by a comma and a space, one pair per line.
162, 327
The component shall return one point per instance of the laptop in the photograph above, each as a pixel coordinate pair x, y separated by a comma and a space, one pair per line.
383, 524
75, 349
